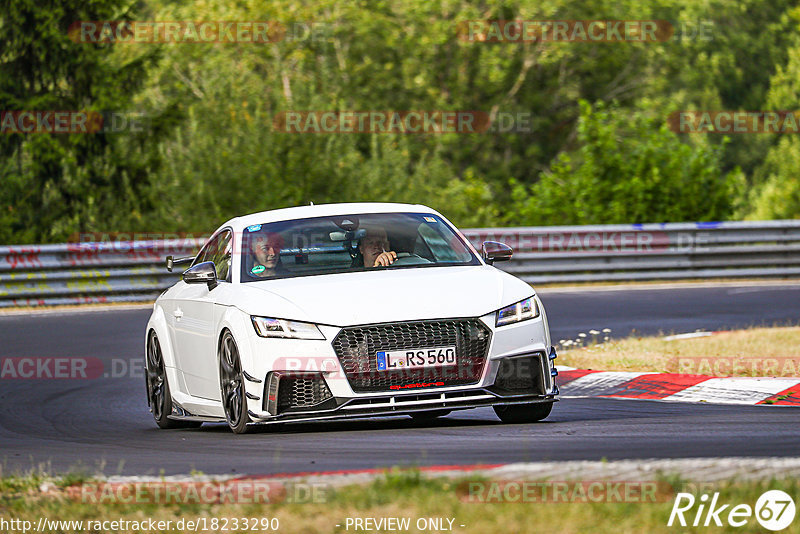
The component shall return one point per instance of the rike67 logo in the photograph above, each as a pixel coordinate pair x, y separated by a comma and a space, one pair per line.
774, 510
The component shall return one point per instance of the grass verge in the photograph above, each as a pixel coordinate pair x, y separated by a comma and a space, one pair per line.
401, 494
752, 352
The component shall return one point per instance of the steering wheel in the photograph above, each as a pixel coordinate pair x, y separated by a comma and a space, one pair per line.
404, 258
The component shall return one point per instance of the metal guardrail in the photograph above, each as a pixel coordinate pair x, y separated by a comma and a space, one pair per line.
133, 271
668, 251
85, 273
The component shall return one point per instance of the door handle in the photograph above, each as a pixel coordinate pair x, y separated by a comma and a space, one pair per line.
178, 313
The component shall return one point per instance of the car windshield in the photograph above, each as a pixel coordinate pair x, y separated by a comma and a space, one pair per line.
346, 243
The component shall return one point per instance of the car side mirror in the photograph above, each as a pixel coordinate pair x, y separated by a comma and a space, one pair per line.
493, 251
202, 273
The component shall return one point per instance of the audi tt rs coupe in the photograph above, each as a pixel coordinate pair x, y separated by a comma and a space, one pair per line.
345, 310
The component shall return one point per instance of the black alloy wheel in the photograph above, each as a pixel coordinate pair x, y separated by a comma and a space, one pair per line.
232, 385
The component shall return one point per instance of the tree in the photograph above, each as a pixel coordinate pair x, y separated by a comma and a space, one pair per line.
58, 184
776, 194
629, 168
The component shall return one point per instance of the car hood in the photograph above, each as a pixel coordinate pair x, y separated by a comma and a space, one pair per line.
379, 296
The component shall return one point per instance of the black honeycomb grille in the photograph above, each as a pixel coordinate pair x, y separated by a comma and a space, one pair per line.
302, 391
357, 347
521, 375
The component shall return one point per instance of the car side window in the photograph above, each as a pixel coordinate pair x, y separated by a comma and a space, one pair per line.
220, 254
218, 250
204, 254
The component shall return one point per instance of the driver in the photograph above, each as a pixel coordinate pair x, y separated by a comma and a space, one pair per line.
266, 248
374, 248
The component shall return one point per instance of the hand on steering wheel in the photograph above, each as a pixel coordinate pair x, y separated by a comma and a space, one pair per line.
385, 259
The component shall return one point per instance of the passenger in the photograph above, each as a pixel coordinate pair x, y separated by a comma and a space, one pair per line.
266, 257
374, 248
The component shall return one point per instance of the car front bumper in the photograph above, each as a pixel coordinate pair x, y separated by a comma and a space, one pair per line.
519, 368
503, 379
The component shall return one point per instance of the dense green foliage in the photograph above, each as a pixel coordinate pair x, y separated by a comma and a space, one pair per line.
629, 168
56, 184
598, 149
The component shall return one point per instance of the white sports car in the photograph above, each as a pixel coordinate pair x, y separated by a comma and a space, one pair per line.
345, 310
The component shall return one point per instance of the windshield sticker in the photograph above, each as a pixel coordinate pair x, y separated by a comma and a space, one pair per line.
258, 269
430, 219
254, 228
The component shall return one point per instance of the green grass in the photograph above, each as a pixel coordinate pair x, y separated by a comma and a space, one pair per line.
398, 493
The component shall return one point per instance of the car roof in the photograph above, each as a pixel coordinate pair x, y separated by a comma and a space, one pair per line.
323, 210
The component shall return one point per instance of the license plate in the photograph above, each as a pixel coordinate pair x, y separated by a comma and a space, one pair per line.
392, 360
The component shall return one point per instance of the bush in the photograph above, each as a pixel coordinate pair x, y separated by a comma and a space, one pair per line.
628, 168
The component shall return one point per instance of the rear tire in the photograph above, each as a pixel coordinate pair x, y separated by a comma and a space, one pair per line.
231, 384
158, 394
523, 413
429, 415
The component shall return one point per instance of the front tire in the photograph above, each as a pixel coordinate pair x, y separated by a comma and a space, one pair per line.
158, 394
523, 413
232, 385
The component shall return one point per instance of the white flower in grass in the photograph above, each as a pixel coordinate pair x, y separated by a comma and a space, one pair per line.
581, 335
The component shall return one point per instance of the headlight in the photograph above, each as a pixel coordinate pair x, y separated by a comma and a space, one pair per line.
269, 327
521, 311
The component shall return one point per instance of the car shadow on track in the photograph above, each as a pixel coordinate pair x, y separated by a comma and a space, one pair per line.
566, 412
399, 422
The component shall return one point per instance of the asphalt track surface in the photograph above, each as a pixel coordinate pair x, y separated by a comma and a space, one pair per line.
103, 425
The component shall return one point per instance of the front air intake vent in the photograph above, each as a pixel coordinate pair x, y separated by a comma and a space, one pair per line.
520, 375
286, 391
